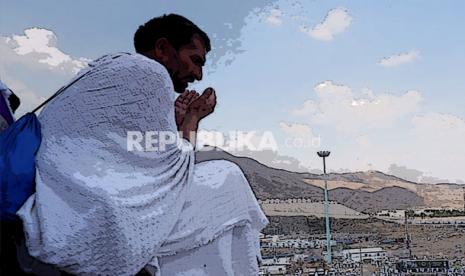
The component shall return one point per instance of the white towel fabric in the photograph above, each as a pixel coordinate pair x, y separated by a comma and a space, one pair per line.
217, 231
102, 210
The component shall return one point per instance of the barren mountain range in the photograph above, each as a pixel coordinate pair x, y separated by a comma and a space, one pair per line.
366, 192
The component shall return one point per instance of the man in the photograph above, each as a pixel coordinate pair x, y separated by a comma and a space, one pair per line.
9, 102
101, 208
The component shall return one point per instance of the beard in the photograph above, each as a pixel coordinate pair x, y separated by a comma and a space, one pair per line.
179, 86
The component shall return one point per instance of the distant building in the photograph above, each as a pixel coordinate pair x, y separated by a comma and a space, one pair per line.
300, 257
314, 271
278, 259
275, 264
322, 243
423, 266
277, 241
361, 254
273, 270
394, 214
313, 259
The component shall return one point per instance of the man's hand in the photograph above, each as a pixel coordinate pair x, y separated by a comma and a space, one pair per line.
198, 109
181, 104
202, 106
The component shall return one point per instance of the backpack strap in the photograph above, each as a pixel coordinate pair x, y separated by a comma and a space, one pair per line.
59, 91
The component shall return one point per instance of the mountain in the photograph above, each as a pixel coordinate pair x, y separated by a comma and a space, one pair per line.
367, 192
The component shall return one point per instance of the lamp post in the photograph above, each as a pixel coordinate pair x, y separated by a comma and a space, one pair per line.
325, 154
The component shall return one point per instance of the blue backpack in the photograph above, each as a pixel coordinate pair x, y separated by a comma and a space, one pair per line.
18, 146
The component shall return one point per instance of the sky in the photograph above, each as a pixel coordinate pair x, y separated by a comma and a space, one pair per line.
380, 84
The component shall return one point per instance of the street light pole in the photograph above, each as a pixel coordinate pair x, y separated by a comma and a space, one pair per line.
325, 154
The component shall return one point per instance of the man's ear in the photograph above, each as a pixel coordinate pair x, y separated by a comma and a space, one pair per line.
163, 49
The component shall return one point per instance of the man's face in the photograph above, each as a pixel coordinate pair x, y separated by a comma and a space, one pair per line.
185, 65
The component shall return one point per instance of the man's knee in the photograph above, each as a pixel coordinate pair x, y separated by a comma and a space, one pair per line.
229, 169
221, 175
229, 166
218, 166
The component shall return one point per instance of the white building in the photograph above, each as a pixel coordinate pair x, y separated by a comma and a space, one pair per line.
279, 242
273, 270
293, 243
322, 243
275, 264
278, 259
299, 257
394, 214
372, 254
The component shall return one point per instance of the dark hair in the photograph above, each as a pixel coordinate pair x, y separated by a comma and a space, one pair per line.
14, 101
177, 29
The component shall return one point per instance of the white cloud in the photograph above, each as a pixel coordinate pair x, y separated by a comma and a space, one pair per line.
438, 140
445, 125
297, 130
337, 105
431, 147
435, 146
275, 17
307, 108
336, 21
414, 175
400, 59
37, 48
363, 141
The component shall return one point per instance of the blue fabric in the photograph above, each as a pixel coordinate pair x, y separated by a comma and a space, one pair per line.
18, 146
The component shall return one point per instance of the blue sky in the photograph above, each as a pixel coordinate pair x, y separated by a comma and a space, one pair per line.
378, 83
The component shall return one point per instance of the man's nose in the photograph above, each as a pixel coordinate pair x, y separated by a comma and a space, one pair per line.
197, 73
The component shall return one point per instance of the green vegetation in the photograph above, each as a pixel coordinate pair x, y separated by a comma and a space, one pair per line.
438, 213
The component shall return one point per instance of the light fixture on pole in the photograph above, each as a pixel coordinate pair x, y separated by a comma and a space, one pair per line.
325, 154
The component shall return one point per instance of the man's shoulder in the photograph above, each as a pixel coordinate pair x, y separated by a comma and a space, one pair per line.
123, 66
133, 60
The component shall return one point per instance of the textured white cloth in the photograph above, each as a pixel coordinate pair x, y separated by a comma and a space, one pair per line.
100, 209
217, 231
229, 254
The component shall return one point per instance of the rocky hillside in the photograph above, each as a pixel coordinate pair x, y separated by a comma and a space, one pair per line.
362, 191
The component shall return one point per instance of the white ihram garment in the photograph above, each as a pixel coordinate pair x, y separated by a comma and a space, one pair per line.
100, 209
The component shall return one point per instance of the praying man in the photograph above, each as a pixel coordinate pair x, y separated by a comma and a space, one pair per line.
101, 209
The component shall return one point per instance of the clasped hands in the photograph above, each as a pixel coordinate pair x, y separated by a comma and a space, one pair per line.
190, 108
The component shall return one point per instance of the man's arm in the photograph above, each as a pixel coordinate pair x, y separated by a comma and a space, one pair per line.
189, 128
